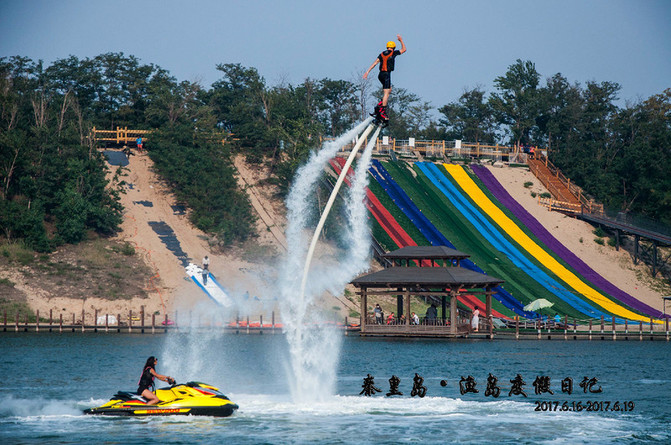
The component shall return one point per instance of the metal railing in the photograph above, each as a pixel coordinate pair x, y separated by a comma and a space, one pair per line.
639, 221
440, 149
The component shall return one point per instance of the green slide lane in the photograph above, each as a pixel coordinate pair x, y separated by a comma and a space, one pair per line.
438, 209
398, 214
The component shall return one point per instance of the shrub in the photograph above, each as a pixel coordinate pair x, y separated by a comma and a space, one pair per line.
546, 195
533, 194
128, 249
599, 232
599, 241
528, 184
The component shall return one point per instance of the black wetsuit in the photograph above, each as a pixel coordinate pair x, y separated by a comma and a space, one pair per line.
146, 380
386, 59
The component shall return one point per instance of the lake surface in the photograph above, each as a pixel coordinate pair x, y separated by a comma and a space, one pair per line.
46, 380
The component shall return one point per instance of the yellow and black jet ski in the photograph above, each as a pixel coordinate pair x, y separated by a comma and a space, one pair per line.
192, 398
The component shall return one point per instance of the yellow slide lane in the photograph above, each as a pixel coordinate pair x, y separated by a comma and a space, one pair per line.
471, 188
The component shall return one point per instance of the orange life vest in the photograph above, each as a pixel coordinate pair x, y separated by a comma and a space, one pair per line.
384, 59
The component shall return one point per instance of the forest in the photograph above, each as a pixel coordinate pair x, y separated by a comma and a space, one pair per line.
54, 186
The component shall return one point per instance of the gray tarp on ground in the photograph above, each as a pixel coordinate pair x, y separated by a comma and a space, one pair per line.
167, 235
116, 157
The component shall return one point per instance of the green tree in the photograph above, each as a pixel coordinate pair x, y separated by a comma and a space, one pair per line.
470, 118
337, 103
242, 105
515, 105
201, 174
560, 110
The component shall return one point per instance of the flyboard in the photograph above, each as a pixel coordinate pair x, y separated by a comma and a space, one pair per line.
380, 116
211, 287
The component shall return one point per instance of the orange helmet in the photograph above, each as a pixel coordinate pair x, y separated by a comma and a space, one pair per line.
391, 44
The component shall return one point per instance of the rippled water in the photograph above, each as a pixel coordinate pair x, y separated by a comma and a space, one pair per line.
47, 379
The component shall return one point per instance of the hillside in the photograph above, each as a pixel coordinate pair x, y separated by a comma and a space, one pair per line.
138, 267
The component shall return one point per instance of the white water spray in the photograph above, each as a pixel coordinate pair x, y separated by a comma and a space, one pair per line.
314, 350
327, 208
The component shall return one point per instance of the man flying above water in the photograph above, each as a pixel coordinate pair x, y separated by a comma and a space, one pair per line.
386, 61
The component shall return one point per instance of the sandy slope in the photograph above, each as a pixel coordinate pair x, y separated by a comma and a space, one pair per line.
179, 293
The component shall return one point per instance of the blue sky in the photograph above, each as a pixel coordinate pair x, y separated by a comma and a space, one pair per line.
452, 45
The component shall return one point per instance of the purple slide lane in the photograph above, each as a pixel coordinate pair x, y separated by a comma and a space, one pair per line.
557, 247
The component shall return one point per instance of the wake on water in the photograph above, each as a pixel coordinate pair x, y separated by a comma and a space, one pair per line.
433, 419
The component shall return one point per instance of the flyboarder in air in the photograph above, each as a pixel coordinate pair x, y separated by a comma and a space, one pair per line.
386, 61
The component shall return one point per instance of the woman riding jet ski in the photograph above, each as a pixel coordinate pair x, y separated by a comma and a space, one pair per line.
193, 398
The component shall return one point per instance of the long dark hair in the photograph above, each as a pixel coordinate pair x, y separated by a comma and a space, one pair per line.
150, 362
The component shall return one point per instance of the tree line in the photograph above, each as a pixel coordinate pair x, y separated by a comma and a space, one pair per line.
54, 187
621, 155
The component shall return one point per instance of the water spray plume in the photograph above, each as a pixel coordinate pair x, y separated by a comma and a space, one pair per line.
314, 351
327, 208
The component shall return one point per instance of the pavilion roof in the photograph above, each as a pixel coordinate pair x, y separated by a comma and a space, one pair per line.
416, 277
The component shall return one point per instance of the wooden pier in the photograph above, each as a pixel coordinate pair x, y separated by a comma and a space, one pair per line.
518, 330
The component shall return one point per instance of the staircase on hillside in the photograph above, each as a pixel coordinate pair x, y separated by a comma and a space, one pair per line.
566, 196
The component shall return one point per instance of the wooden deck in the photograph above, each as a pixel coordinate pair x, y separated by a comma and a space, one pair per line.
402, 330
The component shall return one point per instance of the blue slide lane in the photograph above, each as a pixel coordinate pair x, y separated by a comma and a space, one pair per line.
502, 244
435, 237
200, 285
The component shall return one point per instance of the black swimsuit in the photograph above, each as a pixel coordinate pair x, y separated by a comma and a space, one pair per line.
146, 380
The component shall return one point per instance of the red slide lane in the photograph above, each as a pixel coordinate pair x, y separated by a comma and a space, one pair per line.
380, 213
399, 235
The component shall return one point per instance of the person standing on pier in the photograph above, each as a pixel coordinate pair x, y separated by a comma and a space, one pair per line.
378, 314
475, 321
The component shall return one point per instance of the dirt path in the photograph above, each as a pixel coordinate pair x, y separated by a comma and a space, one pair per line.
271, 222
147, 200
271, 216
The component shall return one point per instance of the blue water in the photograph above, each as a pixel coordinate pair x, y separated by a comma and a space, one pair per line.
47, 379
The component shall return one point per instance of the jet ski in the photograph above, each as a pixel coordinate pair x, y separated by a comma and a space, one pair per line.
192, 398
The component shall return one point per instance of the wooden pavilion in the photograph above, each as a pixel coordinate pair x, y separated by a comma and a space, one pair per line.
422, 281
